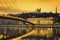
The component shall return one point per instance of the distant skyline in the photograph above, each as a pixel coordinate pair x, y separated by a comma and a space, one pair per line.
17, 6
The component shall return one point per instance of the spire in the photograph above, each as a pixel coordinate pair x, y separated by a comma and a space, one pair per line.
56, 9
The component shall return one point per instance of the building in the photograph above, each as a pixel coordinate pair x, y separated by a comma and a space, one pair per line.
41, 20
39, 17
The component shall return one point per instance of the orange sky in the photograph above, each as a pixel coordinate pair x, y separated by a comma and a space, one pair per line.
16, 6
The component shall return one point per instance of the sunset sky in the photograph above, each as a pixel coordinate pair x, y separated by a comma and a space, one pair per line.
18, 6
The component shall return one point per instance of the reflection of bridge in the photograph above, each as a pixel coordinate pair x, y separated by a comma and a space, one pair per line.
20, 30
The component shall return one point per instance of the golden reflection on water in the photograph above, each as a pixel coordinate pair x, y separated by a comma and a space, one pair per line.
1, 36
42, 32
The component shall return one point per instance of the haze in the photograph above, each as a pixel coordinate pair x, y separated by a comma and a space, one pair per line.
18, 6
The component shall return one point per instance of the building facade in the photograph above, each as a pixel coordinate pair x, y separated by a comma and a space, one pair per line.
41, 20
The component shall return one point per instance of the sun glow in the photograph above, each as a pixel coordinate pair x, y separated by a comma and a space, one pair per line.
17, 6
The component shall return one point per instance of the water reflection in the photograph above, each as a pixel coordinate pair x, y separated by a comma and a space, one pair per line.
28, 33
